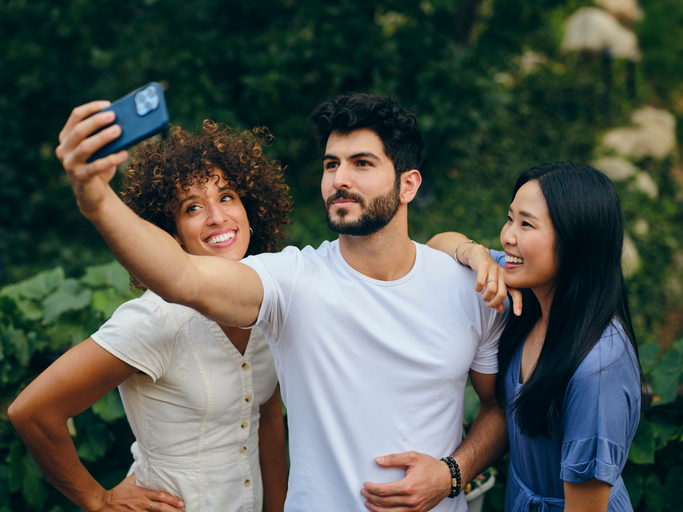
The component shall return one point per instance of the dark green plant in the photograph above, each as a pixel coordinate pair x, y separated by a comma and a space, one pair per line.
39, 319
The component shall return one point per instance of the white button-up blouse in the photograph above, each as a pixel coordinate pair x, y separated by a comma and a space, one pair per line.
194, 408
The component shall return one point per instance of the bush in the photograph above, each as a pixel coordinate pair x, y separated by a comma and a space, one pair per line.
39, 319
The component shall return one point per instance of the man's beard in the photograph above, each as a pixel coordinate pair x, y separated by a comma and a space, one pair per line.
373, 217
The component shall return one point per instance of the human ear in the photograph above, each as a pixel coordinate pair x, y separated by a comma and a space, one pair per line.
410, 183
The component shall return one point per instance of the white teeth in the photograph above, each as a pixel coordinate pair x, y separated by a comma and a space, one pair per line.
513, 259
222, 238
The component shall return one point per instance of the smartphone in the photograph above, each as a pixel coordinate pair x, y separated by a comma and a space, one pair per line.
140, 114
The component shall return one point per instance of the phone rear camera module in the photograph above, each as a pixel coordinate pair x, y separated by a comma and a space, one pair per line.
146, 100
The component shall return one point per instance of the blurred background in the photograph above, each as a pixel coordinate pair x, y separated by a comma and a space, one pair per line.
498, 86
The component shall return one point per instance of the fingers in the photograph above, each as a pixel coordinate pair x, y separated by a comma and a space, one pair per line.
516, 300
78, 144
164, 502
397, 459
80, 113
395, 488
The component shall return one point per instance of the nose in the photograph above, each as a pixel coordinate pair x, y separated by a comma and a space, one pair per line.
215, 215
508, 236
342, 177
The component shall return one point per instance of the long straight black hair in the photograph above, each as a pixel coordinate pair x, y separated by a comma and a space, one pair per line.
589, 291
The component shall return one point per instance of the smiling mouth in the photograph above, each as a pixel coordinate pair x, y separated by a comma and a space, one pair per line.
513, 259
221, 238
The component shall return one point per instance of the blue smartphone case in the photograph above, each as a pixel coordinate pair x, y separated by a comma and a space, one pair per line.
140, 114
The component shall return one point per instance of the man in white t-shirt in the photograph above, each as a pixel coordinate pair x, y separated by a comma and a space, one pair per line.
373, 335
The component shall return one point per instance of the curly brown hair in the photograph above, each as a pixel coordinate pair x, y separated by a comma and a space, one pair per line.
184, 159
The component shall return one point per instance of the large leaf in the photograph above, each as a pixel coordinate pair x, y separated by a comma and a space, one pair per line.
109, 407
33, 486
648, 352
21, 346
667, 374
68, 297
108, 275
66, 333
36, 287
92, 442
655, 499
106, 302
642, 449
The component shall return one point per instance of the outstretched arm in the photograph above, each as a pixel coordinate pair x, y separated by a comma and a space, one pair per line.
70, 385
224, 290
490, 275
428, 480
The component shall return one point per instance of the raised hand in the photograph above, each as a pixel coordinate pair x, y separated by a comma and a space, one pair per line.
89, 181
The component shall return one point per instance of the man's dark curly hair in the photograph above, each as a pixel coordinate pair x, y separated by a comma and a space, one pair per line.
158, 170
395, 125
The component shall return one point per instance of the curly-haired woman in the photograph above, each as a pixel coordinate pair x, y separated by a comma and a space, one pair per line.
201, 398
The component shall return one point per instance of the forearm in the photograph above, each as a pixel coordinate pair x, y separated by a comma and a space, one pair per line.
51, 446
147, 252
273, 455
485, 443
458, 246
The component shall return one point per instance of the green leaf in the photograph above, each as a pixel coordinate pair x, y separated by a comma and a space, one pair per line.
667, 374
65, 333
654, 497
665, 430
15, 462
36, 287
647, 353
109, 407
33, 488
21, 347
107, 275
68, 297
642, 449
107, 302
93, 441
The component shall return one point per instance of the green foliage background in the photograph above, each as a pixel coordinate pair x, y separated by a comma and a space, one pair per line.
455, 62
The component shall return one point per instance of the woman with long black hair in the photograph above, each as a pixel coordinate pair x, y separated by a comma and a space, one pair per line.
569, 376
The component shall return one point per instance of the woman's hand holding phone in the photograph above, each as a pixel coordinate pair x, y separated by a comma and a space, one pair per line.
89, 181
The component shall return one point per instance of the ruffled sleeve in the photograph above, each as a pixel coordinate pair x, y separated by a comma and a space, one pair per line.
601, 411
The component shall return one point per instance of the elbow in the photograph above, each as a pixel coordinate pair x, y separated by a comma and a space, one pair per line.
19, 414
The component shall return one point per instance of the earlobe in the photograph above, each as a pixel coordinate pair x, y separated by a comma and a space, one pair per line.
410, 183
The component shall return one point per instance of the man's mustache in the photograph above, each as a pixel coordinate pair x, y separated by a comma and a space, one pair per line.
345, 194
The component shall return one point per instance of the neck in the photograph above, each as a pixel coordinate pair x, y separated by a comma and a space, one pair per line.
545, 299
386, 255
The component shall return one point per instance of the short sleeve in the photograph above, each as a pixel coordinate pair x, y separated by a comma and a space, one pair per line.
278, 273
142, 334
601, 411
493, 323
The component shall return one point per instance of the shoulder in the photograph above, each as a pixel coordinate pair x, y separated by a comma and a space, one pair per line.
612, 349
436, 261
154, 310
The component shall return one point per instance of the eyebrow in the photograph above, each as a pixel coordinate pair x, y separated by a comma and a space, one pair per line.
363, 154
522, 213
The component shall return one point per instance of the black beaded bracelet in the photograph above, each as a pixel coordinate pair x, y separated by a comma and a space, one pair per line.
455, 476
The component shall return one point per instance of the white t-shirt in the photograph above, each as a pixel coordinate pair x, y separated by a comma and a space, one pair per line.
195, 409
370, 367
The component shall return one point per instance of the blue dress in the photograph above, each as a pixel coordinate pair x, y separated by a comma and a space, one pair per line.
599, 419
